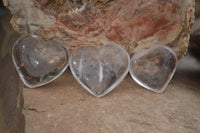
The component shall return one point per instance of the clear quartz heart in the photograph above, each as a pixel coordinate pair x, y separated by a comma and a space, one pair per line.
38, 62
154, 68
99, 69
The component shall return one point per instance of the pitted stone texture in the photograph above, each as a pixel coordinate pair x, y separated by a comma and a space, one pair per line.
99, 70
38, 62
154, 68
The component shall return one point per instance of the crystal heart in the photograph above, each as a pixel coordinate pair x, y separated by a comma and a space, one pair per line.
38, 62
99, 69
153, 68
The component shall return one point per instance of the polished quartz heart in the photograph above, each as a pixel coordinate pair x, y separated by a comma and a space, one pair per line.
38, 62
153, 68
99, 69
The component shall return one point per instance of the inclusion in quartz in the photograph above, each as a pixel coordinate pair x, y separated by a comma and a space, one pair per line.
38, 62
154, 68
99, 69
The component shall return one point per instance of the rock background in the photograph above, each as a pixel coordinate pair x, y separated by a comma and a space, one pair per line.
133, 24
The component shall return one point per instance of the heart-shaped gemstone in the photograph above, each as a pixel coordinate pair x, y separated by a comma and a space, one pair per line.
99, 69
38, 62
154, 68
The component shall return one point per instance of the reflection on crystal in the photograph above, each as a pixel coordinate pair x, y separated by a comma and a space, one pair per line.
154, 68
38, 62
99, 70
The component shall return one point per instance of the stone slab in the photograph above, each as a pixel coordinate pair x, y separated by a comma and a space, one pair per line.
64, 106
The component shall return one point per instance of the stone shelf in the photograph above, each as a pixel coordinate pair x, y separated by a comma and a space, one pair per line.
64, 106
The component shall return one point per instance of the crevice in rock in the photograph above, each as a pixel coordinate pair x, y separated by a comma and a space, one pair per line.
33, 109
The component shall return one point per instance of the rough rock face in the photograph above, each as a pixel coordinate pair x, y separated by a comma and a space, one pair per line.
133, 24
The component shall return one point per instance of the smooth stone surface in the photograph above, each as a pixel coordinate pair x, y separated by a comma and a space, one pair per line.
153, 68
38, 62
127, 109
99, 70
